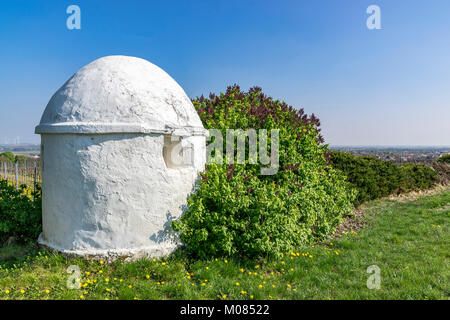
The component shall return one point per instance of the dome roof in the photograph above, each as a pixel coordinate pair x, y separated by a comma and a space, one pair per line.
120, 94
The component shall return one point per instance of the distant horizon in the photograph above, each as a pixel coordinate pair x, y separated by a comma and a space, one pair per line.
331, 145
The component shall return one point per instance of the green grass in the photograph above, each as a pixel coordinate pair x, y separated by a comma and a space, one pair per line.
408, 241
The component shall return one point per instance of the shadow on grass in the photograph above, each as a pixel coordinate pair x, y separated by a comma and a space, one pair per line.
17, 254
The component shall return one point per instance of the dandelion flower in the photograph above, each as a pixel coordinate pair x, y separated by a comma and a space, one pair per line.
237, 283
147, 276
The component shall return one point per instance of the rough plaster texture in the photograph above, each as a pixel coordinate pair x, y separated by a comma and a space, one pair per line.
122, 146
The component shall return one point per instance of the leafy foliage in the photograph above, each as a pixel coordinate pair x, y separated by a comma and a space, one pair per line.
375, 178
20, 215
237, 211
9, 156
444, 159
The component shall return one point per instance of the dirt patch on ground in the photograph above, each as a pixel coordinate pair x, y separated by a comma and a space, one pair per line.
351, 224
414, 195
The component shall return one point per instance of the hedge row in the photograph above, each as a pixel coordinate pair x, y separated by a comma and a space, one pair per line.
374, 178
20, 213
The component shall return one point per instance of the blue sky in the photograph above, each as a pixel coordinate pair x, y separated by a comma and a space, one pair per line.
368, 87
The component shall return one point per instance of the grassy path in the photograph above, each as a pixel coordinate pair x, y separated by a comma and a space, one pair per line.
407, 240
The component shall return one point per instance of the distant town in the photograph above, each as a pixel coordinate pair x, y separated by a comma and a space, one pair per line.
412, 154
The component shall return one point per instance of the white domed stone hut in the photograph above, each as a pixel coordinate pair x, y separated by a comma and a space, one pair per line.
122, 146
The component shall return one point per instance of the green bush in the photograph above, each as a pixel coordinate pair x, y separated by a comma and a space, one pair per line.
20, 215
237, 211
443, 172
444, 159
9, 156
375, 178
